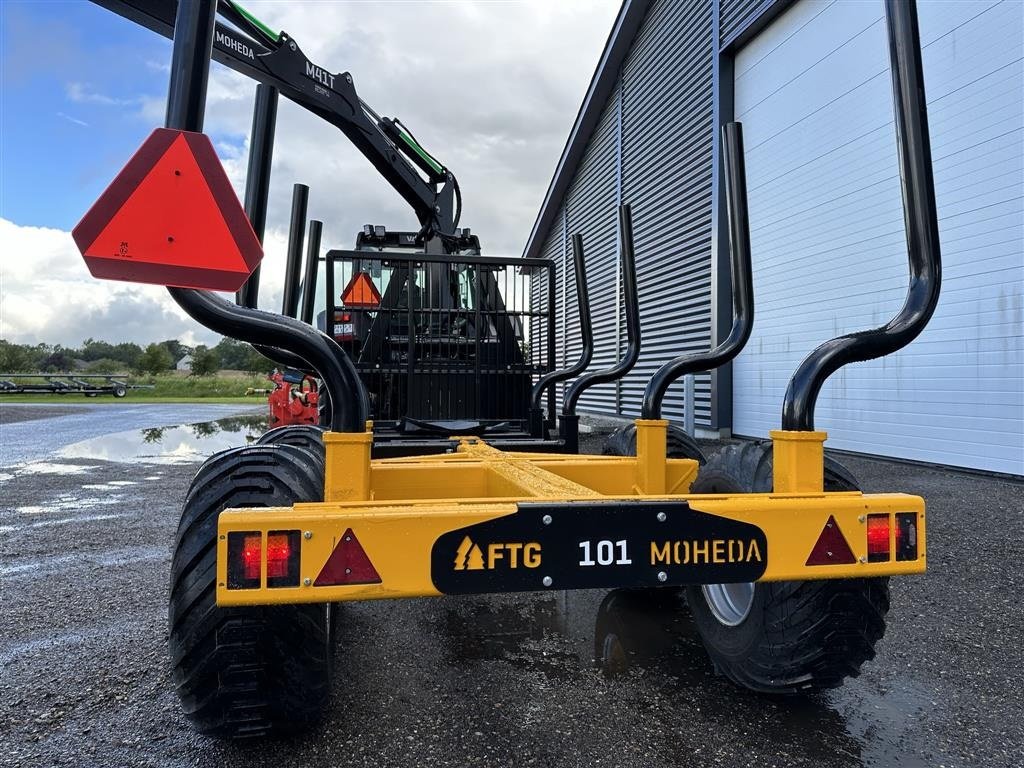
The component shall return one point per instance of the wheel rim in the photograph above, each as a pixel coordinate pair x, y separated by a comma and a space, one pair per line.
730, 603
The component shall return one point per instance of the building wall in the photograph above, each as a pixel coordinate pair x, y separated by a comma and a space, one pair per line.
651, 149
814, 93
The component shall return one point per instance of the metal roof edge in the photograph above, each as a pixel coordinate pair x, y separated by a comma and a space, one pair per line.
620, 39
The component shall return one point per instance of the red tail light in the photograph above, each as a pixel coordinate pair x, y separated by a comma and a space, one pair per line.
252, 551
245, 559
245, 550
878, 538
278, 553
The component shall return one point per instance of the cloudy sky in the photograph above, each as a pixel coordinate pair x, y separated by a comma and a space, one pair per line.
491, 88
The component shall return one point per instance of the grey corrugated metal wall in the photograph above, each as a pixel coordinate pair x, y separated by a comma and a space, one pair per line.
652, 148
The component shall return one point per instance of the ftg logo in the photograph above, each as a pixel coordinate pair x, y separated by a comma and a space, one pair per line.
470, 557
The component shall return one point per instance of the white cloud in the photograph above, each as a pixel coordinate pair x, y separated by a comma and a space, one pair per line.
47, 294
490, 88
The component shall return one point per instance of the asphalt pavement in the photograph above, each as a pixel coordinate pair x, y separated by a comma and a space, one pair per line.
490, 681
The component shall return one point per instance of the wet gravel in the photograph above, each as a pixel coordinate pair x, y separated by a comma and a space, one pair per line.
499, 681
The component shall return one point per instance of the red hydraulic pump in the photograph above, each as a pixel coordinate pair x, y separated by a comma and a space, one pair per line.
294, 399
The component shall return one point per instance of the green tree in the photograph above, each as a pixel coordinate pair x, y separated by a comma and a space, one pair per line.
175, 349
204, 361
255, 363
18, 358
60, 360
106, 365
155, 359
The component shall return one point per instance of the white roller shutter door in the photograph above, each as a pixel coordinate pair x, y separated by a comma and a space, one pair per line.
814, 94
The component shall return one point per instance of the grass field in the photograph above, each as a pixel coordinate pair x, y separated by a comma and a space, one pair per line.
225, 387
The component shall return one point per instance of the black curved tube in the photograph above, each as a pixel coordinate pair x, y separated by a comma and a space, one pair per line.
920, 220
293, 259
257, 179
742, 282
552, 378
309, 278
186, 103
625, 365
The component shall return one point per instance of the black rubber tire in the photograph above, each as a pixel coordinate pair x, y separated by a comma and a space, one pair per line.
678, 444
246, 671
302, 435
120, 391
799, 636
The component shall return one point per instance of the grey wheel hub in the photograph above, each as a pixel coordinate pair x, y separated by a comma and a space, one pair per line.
730, 603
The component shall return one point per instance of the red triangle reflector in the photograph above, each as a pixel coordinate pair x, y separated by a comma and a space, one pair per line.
348, 564
170, 218
361, 292
831, 547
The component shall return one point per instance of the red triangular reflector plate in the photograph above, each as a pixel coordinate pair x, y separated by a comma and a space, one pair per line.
360, 292
831, 547
348, 564
170, 218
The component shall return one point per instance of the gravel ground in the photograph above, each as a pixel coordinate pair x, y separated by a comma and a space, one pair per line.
502, 681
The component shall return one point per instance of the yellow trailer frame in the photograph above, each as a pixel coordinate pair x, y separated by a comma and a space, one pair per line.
428, 523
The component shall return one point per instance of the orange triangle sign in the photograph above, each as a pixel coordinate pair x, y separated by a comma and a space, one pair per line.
170, 218
831, 547
348, 564
361, 292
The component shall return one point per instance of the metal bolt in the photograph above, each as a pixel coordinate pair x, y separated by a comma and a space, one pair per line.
348, 538
662, 517
348, 78
829, 554
862, 559
662, 576
546, 519
861, 518
348, 571
308, 534
293, 46
307, 581
547, 581
223, 537
437, 209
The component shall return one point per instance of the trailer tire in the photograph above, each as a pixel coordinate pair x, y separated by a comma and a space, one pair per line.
678, 444
301, 435
794, 636
253, 670
120, 391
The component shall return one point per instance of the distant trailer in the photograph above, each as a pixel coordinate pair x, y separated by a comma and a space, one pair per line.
90, 385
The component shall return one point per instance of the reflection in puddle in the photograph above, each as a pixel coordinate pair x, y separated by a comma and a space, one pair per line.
171, 445
646, 638
49, 468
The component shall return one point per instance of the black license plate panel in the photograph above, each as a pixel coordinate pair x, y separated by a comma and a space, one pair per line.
596, 545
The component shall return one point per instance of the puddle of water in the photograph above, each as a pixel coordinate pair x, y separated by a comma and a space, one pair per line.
67, 503
77, 519
652, 631
169, 445
108, 559
50, 468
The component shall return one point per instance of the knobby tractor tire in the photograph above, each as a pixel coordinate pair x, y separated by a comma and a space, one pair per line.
312, 439
799, 636
678, 444
245, 671
301, 435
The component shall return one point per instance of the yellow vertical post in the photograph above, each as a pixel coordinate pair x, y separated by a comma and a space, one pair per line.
798, 461
347, 476
651, 436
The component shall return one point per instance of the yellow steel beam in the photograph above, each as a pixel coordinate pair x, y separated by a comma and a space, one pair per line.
398, 539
